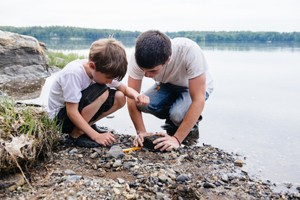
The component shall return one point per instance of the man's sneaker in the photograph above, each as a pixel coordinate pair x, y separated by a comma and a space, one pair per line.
169, 127
192, 137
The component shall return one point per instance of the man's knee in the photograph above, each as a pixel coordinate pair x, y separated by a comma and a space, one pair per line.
176, 118
143, 108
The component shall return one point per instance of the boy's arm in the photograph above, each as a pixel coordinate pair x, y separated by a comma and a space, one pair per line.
129, 92
140, 99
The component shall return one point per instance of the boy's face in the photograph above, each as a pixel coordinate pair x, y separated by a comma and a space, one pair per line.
101, 78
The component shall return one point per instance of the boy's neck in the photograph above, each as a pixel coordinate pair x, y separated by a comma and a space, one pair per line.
87, 69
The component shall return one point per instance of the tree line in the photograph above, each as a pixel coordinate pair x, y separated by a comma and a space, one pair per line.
68, 32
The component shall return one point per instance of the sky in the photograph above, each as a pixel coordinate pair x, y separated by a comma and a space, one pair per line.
164, 15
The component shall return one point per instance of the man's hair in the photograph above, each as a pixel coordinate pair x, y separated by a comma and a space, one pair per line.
152, 48
109, 57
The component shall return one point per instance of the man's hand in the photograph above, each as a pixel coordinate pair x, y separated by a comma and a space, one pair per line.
105, 139
139, 139
142, 100
166, 142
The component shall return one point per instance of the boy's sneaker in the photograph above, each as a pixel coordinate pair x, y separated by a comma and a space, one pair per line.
84, 140
67, 140
100, 129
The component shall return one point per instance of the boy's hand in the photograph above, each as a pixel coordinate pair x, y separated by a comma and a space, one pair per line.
105, 139
139, 139
142, 100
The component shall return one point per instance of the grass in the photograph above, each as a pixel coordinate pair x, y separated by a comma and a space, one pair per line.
60, 59
31, 122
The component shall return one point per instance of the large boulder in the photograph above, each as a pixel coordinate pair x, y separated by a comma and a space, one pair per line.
23, 65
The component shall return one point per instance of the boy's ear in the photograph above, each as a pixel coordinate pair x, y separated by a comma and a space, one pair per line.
92, 65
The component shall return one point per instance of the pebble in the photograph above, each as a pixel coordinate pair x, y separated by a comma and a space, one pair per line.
208, 185
238, 163
116, 152
182, 178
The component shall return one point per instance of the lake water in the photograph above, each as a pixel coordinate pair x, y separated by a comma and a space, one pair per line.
254, 110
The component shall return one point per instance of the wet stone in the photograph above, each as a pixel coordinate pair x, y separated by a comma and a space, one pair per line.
209, 185
182, 178
148, 142
116, 151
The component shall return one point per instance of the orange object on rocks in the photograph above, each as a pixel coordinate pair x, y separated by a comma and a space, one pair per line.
131, 149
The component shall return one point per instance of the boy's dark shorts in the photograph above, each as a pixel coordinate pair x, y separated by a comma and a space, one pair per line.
89, 95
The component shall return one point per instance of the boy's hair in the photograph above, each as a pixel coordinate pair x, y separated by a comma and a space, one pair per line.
109, 57
152, 48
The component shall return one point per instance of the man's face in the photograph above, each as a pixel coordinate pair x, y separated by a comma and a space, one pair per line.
151, 73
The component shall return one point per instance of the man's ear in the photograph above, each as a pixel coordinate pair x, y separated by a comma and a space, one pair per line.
167, 62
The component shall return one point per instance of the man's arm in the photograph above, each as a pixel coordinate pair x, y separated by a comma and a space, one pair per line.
135, 114
197, 89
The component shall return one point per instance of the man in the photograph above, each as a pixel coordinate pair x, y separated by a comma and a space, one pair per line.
182, 85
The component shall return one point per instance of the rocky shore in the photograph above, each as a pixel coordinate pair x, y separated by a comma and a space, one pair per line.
191, 172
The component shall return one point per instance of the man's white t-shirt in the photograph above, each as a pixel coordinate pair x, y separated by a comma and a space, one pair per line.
187, 62
67, 86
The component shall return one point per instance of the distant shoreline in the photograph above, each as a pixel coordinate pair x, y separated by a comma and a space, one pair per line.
76, 33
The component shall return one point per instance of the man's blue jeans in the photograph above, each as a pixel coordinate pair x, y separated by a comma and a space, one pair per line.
168, 101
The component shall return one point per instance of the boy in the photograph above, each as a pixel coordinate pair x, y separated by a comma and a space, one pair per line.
85, 91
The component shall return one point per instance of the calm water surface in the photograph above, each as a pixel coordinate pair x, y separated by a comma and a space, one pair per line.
254, 110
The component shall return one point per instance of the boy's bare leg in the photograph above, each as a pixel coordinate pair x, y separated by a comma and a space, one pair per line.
89, 111
119, 102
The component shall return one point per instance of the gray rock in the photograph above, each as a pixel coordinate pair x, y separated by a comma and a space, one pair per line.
224, 178
73, 178
69, 172
117, 163
208, 185
23, 65
116, 152
148, 142
182, 178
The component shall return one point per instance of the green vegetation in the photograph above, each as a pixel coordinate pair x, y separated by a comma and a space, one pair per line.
60, 32
128, 37
60, 59
237, 36
26, 134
